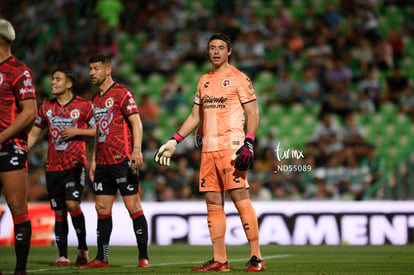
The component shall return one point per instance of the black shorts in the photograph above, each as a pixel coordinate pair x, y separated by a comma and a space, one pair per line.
12, 157
109, 178
65, 186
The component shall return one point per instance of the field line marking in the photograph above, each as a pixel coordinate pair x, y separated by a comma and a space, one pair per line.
40, 270
163, 264
230, 260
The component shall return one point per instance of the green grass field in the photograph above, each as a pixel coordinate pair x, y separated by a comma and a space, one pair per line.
179, 259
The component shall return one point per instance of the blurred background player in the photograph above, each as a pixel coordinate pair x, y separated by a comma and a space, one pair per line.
223, 97
116, 158
68, 119
17, 112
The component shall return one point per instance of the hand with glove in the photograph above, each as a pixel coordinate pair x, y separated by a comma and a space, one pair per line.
244, 156
165, 152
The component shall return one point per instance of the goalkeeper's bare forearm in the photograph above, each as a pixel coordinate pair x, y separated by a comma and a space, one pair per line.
252, 112
191, 122
166, 151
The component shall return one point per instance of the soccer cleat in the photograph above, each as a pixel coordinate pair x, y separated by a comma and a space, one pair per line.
255, 265
82, 258
213, 266
95, 264
61, 261
143, 263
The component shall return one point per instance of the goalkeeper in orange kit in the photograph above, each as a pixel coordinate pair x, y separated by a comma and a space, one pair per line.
223, 96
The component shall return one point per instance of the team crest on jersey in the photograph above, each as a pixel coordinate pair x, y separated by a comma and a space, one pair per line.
109, 102
1, 78
226, 83
49, 113
26, 73
75, 114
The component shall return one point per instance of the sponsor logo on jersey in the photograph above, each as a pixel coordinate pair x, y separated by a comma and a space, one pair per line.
57, 124
131, 97
132, 104
61, 121
18, 150
121, 180
214, 102
27, 82
132, 101
103, 119
211, 99
250, 85
70, 184
99, 112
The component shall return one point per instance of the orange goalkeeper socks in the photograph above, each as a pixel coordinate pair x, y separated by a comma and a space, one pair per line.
250, 225
216, 219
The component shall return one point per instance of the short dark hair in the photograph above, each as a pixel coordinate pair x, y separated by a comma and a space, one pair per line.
100, 58
69, 74
220, 36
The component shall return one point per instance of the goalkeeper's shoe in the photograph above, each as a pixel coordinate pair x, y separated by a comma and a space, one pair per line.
82, 258
61, 261
143, 263
213, 266
95, 264
255, 265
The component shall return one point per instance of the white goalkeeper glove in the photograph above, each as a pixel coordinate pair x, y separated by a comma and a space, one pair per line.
165, 152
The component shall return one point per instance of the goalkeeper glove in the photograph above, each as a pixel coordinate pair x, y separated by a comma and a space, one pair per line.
244, 156
165, 152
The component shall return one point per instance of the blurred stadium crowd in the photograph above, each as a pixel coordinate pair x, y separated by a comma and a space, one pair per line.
333, 80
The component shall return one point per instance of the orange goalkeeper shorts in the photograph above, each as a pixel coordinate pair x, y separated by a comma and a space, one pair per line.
217, 172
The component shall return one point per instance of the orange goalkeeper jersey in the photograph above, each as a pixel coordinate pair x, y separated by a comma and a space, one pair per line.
221, 95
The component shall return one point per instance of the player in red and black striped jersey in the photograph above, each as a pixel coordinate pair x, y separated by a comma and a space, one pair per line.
69, 120
17, 112
114, 137
116, 159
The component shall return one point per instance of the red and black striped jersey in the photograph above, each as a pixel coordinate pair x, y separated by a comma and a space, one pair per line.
63, 155
114, 133
16, 84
